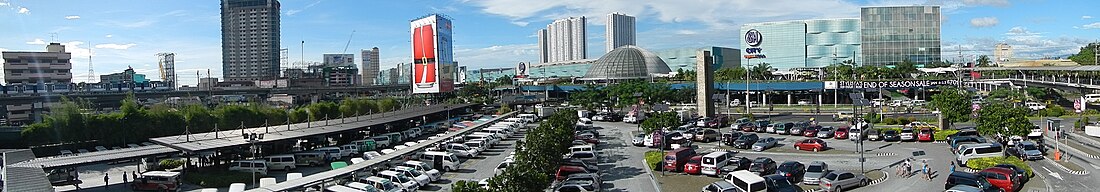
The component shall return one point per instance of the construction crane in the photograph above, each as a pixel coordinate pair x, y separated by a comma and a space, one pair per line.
349, 41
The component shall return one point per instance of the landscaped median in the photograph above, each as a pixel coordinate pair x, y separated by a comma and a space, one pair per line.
653, 159
986, 162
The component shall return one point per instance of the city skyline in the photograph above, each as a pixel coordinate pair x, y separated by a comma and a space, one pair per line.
496, 33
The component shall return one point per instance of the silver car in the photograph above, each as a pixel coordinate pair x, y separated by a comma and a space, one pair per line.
764, 144
842, 180
825, 132
814, 171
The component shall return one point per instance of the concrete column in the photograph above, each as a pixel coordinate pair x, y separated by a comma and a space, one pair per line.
763, 99
788, 99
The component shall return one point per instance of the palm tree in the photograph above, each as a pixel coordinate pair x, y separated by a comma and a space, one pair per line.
761, 71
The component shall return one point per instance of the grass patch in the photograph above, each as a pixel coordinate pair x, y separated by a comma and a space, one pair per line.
987, 162
653, 159
683, 182
214, 177
942, 135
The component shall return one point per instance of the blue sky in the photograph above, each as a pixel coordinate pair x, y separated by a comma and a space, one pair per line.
495, 33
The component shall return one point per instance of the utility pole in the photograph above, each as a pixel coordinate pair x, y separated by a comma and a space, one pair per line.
836, 92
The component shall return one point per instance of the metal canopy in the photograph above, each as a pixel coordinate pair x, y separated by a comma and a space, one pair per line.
351, 169
195, 143
96, 157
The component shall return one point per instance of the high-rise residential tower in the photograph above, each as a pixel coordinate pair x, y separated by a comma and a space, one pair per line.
1002, 53
620, 30
370, 65
250, 40
891, 35
563, 40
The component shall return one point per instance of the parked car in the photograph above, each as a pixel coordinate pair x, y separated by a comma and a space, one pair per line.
736, 164
706, 135
964, 188
713, 162
811, 144
587, 181
566, 170
825, 132
783, 128
694, 165
855, 133
907, 134
890, 135
1026, 150
578, 163
842, 116
763, 166
1003, 178
780, 183
674, 160
873, 135
764, 144
797, 128
792, 170
720, 186
746, 141
810, 131
925, 135
841, 180
639, 140
841, 133
1021, 174
728, 138
746, 127
814, 172
969, 179
957, 141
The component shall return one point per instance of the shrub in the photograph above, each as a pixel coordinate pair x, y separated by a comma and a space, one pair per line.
912, 119
653, 159
903, 120
987, 162
889, 121
166, 164
872, 117
942, 135
217, 178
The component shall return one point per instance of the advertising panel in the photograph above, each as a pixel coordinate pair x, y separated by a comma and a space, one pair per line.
433, 68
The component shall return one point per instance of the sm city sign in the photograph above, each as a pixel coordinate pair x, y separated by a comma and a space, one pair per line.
753, 38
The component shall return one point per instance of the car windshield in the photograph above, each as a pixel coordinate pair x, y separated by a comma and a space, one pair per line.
1030, 147
779, 183
403, 179
786, 167
414, 172
925, 131
826, 129
831, 176
815, 168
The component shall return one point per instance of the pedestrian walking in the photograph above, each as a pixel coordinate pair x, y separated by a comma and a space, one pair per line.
106, 179
125, 179
927, 174
134, 173
952, 166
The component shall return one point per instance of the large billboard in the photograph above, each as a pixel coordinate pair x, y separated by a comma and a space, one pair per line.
339, 60
433, 65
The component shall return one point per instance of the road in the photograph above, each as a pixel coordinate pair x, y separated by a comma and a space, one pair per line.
622, 165
484, 165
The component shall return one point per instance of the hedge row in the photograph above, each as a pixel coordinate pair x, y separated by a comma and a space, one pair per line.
653, 159
987, 162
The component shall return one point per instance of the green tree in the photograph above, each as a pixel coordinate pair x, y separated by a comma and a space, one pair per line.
983, 61
1003, 119
761, 71
660, 121
953, 103
505, 80
1086, 56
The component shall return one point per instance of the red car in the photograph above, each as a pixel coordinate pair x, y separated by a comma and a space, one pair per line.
565, 171
694, 165
841, 133
747, 127
1000, 177
587, 139
925, 134
810, 131
813, 144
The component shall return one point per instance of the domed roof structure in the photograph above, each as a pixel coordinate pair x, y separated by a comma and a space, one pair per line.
626, 62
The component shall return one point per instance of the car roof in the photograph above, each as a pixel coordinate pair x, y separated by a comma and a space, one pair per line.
1001, 170
819, 163
790, 162
747, 176
964, 174
716, 154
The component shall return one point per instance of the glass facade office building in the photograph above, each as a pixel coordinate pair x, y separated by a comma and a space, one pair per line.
685, 58
783, 44
826, 37
891, 35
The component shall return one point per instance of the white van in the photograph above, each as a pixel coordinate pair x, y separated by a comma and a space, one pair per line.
409, 184
972, 151
477, 144
578, 148
498, 131
332, 153
424, 168
410, 133
381, 141
249, 166
445, 161
746, 181
395, 137
531, 118
1092, 98
713, 162
282, 162
349, 150
381, 183
493, 140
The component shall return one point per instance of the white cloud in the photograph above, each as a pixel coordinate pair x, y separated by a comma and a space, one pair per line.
497, 55
291, 12
521, 23
24, 10
981, 22
76, 50
998, 3
686, 32
72, 17
36, 42
115, 46
710, 13
109, 36
2, 49
1086, 17
1092, 26
1021, 31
